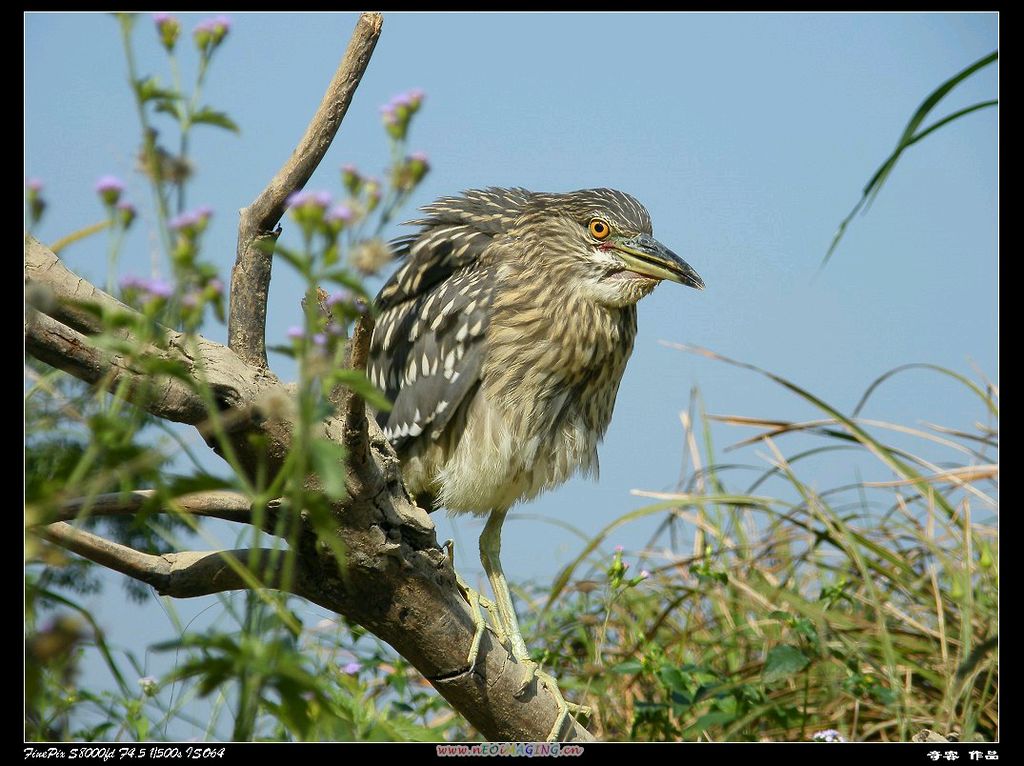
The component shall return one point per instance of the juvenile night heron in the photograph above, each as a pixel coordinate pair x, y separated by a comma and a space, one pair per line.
501, 343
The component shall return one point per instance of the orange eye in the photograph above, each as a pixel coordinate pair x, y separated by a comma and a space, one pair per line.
599, 229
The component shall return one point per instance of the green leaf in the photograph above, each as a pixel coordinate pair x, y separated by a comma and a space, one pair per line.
154, 365
149, 89
346, 278
407, 731
783, 661
628, 667
200, 482
329, 462
910, 137
208, 116
358, 382
286, 350
674, 679
168, 106
302, 263
715, 718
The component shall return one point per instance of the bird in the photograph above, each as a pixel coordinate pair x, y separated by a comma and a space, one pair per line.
500, 342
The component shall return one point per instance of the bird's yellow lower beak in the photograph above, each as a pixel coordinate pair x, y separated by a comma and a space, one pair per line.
646, 255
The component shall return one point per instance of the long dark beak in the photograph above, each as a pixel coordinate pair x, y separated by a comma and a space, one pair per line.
646, 255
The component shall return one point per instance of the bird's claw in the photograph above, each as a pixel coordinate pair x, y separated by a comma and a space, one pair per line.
475, 601
566, 709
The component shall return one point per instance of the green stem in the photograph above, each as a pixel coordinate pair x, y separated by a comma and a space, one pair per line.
148, 144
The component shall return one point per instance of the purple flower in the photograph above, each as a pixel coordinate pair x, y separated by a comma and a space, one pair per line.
109, 183
192, 222
828, 735
352, 668
399, 110
190, 299
372, 188
36, 203
168, 27
303, 198
644, 574
340, 214
132, 282
184, 221
619, 549
109, 188
335, 329
148, 684
320, 339
410, 101
215, 287
351, 179
307, 207
159, 288
417, 166
342, 296
154, 289
210, 32
295, 332
125, 213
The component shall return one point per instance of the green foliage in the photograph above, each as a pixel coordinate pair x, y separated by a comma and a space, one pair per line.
910, 136
800, 609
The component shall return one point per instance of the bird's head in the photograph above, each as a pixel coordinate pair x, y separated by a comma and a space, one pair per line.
602, 239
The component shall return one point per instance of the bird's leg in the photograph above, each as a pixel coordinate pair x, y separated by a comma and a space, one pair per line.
474, 600
490, 553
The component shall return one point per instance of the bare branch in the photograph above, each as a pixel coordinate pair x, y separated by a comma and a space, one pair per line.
218, 504
66, 349
58, 325
56, 291
180, 575
257, 228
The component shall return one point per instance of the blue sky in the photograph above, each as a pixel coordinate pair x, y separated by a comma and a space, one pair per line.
747, 136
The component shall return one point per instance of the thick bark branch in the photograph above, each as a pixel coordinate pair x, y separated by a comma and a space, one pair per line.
180, 575
228, 506
257, 228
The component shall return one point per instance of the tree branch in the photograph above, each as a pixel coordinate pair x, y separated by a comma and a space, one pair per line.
66, 349
181, 575
257, 228
218, 504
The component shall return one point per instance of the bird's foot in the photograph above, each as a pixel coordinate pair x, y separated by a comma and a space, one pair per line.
475, 601
566, 709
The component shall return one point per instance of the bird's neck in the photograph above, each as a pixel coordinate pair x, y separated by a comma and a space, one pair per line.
549, 343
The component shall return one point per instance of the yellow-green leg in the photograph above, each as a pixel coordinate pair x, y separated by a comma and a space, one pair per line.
474, 600
490, 557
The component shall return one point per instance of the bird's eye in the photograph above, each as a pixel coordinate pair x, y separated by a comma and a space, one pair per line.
599, 229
